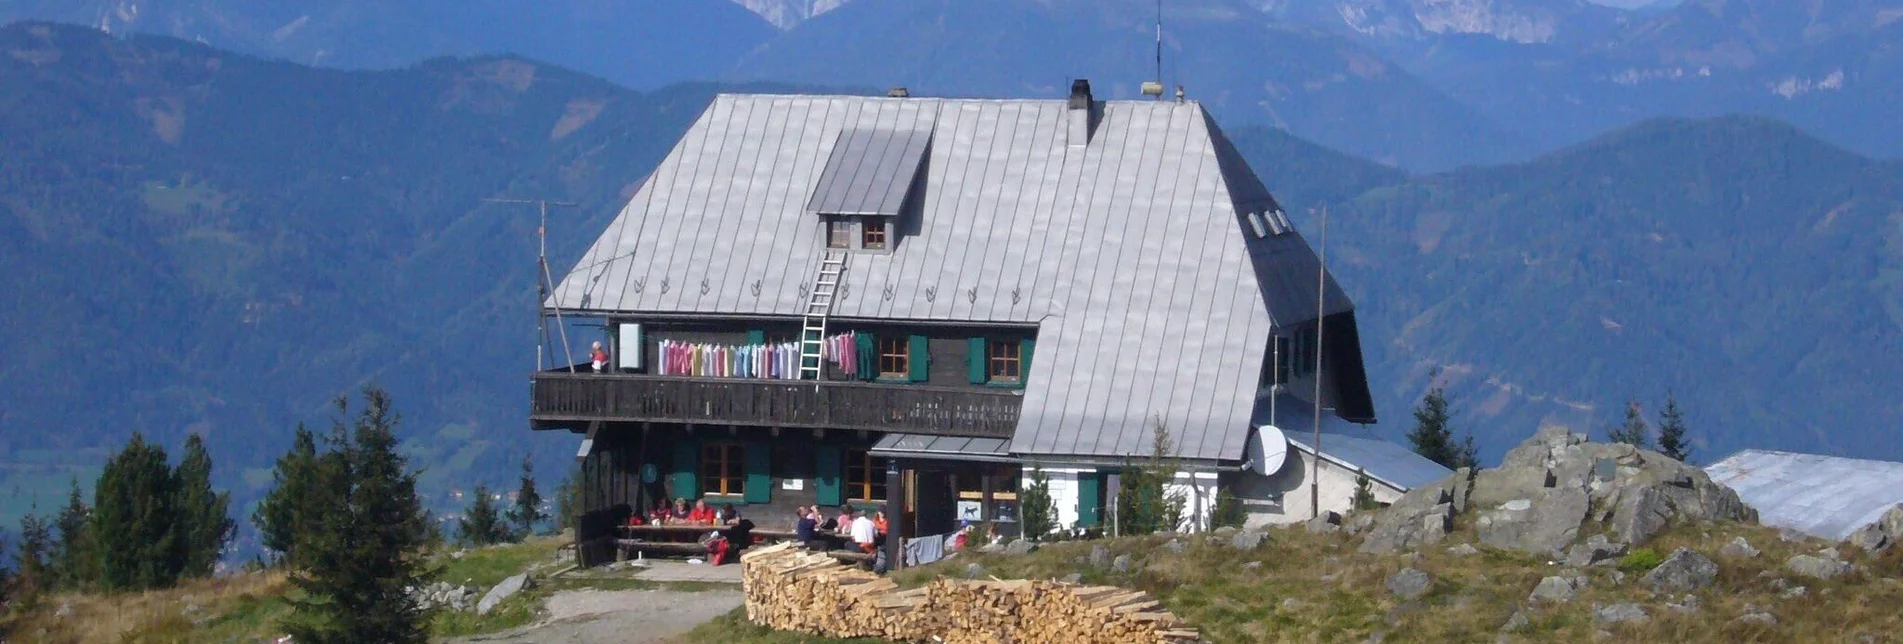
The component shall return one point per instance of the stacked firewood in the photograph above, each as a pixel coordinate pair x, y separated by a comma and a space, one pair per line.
789, 589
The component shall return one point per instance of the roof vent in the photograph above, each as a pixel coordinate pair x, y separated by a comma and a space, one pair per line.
1083, 113
899, 92
1080, 94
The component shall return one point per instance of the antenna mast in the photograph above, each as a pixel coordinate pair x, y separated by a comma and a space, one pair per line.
545, 282
1155, 87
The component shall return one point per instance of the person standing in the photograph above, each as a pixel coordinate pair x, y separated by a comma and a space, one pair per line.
598, 358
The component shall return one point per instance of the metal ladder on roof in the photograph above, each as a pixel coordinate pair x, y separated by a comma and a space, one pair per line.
819, 306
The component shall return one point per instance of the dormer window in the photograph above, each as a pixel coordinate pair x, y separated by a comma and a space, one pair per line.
838, 233
874, 236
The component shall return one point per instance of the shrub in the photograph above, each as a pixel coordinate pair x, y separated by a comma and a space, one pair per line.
1641, 560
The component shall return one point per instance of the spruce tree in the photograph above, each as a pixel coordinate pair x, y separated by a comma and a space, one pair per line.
1144, 503
528, 503
134, 517
1634, 432
1432, 436
204, 523
367, 546
481, 524
74, 556
6, 576
285, 513
568, 500
1363, 499
1672, 441
30, 562
1467, 454
1228, 511
1038, 517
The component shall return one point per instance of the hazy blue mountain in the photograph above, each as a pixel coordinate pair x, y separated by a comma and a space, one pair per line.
640, 43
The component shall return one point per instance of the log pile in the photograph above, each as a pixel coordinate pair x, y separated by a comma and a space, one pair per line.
791, 589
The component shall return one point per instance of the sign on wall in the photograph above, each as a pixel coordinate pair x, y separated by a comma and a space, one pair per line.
792, 484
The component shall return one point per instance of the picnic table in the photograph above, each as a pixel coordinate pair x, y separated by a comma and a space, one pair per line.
684, 539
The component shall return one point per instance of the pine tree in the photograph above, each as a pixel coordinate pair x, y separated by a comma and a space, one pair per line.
1144, 503
204, 523
1467, 454
1634, 432
568, 501
74, 556
1432, 436
30, 565
6, 576
1363, 500
1672, 431
481, 524
1038, 516
284, 514
528, 503
367, 548
134, 517
1228, 511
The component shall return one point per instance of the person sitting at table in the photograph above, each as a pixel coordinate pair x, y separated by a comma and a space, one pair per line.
878, 521
680, 513
805, 529
738, 535
661, 512
865, 535
843, 525
702, 514
825, 524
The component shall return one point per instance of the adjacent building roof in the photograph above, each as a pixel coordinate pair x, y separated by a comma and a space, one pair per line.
1131, 254
1352, 446
1823, 496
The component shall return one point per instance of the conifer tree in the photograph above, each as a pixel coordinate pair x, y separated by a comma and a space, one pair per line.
528, 502
74, 556
1228, 511
1144, 503
1432, 436
1034, 510
285, 512
1634, 432
481, 524
568, 501
366, 550
30, 569
204, 524
1672, 441
1363, 499
134, 517
1467, 454
6, 576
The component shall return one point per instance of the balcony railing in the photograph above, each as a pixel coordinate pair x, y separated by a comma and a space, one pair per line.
561, 398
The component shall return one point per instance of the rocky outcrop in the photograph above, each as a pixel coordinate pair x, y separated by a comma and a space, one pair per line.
1551, 487
444, 595
1881, 535
1596, 551
502, 591
1817, 566
1684, 570
1739, 548
1557, 589
1409, 583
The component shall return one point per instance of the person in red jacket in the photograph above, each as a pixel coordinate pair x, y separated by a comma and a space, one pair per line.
598, 358
702, 514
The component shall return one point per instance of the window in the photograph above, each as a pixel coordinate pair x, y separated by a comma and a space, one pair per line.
721, 468
874, 237
1006, 360
865, 477
894, 357
838, 233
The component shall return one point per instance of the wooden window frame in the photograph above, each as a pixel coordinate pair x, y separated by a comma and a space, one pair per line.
723, 469
1003, 355
870, 228
900, 363
838, 233
864, 477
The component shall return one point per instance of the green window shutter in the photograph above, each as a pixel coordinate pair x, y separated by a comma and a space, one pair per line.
975, 356
759, 482
919, 358
686, 469
1025, 351
826, 475
868, 356
756, 336
1089, 499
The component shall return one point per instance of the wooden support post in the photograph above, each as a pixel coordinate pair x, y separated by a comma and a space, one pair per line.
986, 473
894, 509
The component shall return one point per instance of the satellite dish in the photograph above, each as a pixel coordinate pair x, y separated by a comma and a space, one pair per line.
1267, 450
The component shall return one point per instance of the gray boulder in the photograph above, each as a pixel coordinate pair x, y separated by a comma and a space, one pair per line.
1794, 592
1759, 619
1325, 523
1176, 546
1597, 550
1121, 564
1684, 570
502, 591
1020, 547
974, 571
1421, 517
1073, 578
1618, 614
1358, 523
1463, 550
1516, 623
1817, 567
1409, 583
1557, 589
1248, 540
1226, 531
1099, 556
1544, 523
1738, 548
1880, 535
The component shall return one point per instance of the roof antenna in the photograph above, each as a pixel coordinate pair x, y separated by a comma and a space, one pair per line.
1155, 87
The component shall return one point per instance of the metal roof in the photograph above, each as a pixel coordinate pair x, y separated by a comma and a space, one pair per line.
950, 448
1351, 445
870, 171
1823, 496
1131, 254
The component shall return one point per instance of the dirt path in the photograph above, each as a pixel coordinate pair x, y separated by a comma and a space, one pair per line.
632, 616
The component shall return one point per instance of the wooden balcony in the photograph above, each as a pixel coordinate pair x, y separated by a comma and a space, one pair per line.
570, 400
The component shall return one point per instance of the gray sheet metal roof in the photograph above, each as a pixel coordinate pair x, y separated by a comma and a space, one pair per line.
1353, 446
870, 171
1131, 254
944, 447
1822, 496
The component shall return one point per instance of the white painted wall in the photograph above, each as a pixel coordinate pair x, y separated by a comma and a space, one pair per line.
1284, 497
1063, 484
1198, 490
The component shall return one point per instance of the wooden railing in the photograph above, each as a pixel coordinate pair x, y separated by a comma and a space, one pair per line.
561, 397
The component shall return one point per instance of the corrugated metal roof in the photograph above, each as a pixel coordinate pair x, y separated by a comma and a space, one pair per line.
1822, 496
1131, 254
870, 171
1352, 445
943, 447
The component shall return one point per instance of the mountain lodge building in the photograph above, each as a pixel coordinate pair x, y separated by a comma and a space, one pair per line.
909, 303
